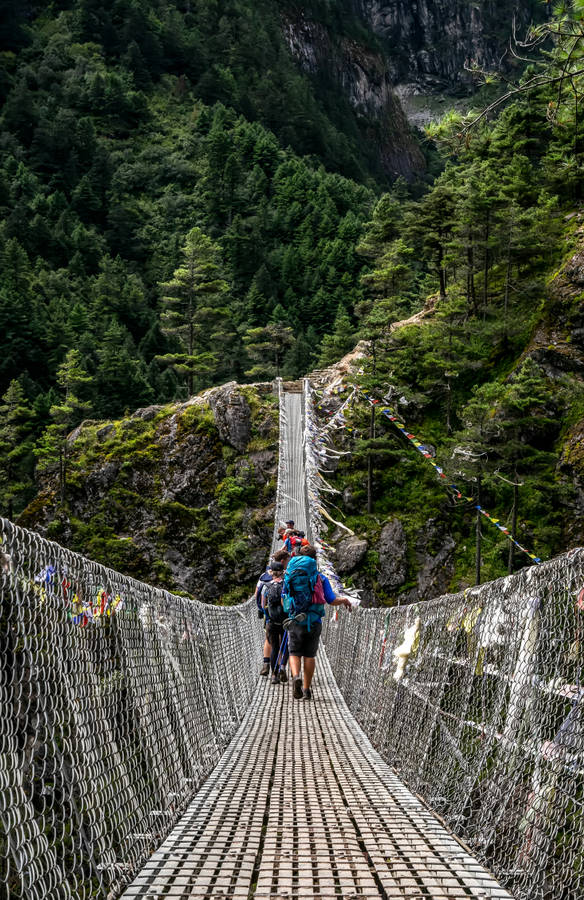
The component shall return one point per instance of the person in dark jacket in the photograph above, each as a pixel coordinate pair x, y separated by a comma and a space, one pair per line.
274, 612
281, 556
264, 578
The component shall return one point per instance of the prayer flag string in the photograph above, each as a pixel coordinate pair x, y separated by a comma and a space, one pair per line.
422, 448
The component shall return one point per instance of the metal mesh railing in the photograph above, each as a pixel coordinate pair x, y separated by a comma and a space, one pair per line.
316, 456
476, 700
117, 701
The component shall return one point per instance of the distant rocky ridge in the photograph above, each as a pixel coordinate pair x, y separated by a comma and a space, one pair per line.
363, 76
430, 42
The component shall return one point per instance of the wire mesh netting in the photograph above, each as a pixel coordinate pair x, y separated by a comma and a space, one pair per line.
117, 700
477, 700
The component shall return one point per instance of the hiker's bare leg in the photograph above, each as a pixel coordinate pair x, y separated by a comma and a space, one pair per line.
295, 666
309, 665
267, 649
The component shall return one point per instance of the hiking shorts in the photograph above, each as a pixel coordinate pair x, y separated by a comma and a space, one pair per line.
301, 641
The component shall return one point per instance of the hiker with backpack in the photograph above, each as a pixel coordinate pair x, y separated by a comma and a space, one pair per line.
294, 541
274, 612
306, 593
280, 556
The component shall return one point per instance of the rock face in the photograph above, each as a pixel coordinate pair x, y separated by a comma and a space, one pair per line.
350, 553
558, 343
433, 566
435, 559
392, 548
378, 51
232, 415
361, 73
429, 42
171, 495
572, 468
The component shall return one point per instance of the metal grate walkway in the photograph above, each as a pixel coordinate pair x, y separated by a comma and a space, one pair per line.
301, 805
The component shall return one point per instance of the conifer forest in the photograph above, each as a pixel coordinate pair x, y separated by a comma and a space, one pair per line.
202, 192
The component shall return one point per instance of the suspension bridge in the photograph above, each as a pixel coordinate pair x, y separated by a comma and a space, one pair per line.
142, 757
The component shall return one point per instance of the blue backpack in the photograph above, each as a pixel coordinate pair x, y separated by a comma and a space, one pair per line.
299, 584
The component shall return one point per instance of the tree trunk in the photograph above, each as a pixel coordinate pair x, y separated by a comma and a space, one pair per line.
470, 285
370, 463
513, 527
63, 471
441, 273
507, 282
487, 260
478, 536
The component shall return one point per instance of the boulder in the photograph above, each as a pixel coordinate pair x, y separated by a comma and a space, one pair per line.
392, 548
100, 479
349, 502
232, 415
147, 413
103, 433
435, 558
349, 553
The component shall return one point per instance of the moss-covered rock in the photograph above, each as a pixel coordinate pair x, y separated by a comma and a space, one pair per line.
181, 496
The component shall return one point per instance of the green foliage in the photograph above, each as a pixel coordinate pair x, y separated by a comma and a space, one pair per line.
340, 341
473, 256
232, 492
266, 346
181, 206
142, 145
16, 446
195, 312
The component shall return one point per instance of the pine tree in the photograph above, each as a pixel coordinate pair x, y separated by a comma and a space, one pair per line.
430, 225
16, 458
121, 378
267, 347
52, 448
195, 311
341, 340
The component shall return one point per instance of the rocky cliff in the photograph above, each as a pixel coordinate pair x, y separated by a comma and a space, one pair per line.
382, 53
429, 42
360, 71
180, 496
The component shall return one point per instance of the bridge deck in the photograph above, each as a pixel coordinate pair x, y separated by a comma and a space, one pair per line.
301, 805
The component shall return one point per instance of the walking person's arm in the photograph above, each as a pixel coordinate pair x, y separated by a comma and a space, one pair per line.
341, 601
330, 596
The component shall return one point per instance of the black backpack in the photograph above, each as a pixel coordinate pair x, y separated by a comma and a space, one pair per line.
272, 600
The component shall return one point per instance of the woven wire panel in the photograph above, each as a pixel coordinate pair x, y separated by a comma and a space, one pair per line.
487, 721
117, 701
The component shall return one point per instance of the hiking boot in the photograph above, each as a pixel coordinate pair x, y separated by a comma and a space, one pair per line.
265, 669
275, 679
297, 688
306, 694
283, 676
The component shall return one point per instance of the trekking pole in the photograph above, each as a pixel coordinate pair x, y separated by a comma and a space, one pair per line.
283, 646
